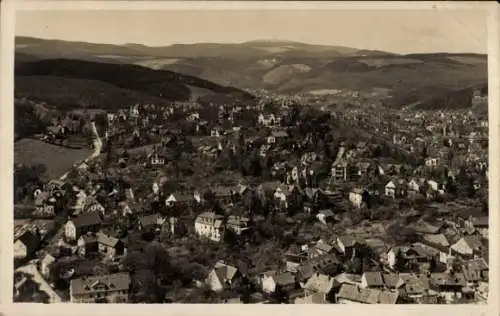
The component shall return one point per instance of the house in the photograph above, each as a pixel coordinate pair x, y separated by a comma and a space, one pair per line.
390, 189
268, 120
46, 264
285, 282
413, 186
424, 227
222, 276
415, 285
339, 171
179, 199
26, 245
412, 256
357, 197
277, 137
325, 216
87, 244
377, 246
475, 270
45, 204
209, 225
319, 289
446, 284
431, 162
468, 246
479, 224
151, 222
372, 280
349, 294
237, 224
348, 278
438, 241
223, 194
111, 288
347, 245
392, 281
88, 222
157, 160
110, 246
267, 281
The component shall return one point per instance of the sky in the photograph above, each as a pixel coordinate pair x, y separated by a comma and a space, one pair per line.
398, 31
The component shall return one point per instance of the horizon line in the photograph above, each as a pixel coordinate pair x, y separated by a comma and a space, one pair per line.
246, 42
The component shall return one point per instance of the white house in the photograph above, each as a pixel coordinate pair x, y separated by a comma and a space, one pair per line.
413, 186
221, 276
356, 197
325, 216
431, 162
390, 189
209, 225
268, 281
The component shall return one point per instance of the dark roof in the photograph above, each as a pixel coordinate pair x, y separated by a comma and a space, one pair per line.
374, 278
149, 220
367, 296
87, 219
347, 241
100, 284
285, 278
107, 240
30, 240
482, 221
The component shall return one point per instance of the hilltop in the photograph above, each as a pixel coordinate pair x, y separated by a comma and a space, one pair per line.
77, 83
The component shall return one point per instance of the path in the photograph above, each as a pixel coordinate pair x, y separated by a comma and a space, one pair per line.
95, 154
44, 286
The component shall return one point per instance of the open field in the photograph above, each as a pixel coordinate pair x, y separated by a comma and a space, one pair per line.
57, 159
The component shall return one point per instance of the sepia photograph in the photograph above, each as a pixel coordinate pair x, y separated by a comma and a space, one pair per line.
264, 156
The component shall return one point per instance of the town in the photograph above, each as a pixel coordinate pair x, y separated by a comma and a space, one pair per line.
291, 200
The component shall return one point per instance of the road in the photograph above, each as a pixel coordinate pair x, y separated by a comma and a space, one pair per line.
31, 268
44, 286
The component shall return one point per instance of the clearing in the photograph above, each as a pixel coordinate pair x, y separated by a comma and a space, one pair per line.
57, 159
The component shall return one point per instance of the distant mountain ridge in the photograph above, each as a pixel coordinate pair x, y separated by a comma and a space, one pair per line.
286, 66
49, 48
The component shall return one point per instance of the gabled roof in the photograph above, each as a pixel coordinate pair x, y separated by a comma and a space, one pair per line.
182, 197
87, 219
436, 239
373, 279
99, 284
392, 280
224, 272
473, 269
320, 283
367, 296
107, 240
443, 279
348, 278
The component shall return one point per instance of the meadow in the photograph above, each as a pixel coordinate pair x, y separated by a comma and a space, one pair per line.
57, 159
